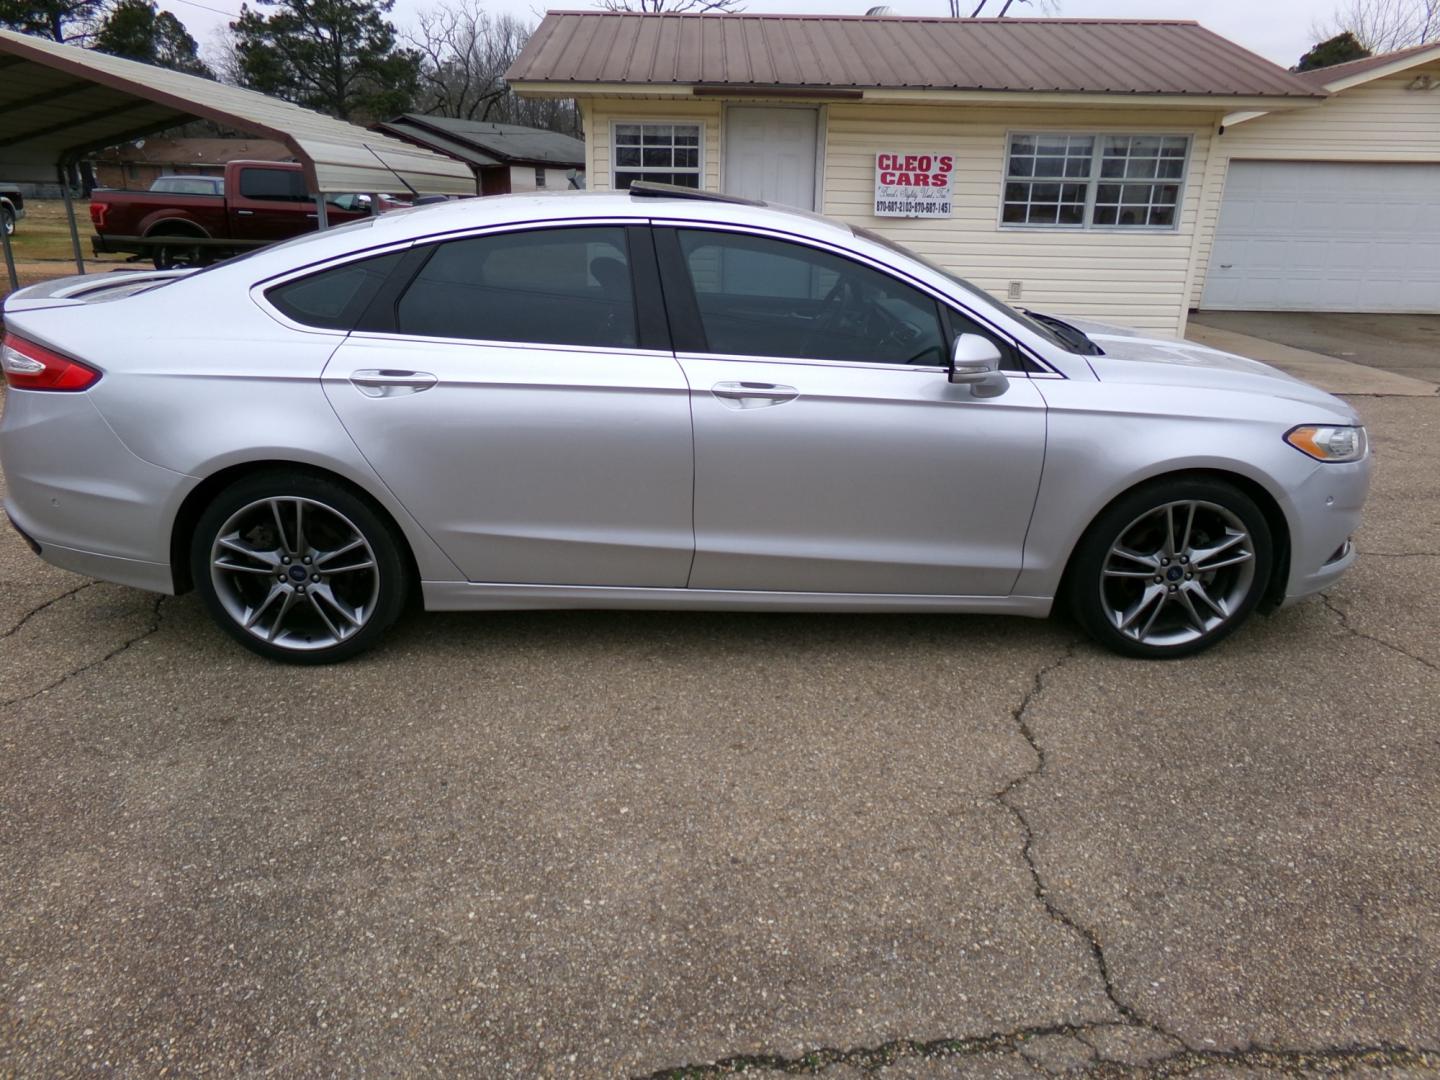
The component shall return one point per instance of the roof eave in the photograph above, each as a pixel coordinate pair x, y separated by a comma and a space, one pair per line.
1399, 66
918, 95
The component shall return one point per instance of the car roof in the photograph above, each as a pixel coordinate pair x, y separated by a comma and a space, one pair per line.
462, 214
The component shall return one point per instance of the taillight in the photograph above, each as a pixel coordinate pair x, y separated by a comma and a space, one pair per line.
98, 210
33, 367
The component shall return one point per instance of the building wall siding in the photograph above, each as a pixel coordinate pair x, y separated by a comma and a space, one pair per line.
598, 114
1378, 121
1131, 278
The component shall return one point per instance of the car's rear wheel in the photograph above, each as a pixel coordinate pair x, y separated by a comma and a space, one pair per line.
298, 568
1171, 568
7, 220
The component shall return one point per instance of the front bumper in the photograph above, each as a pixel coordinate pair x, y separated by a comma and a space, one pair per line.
1327, 509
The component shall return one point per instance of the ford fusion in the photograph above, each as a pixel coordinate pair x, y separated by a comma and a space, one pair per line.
647, 400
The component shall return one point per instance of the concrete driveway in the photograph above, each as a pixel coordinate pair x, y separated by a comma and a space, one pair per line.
1402, 344
691, 845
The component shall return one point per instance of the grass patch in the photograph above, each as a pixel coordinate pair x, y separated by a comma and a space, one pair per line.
43, 235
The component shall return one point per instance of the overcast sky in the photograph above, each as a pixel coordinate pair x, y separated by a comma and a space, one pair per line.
1279, 30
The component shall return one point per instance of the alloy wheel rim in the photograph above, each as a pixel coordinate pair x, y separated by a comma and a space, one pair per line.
295, 573
1177, 573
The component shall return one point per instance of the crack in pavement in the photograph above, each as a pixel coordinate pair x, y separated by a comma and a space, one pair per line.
1344, 617
72, 673
1328, 1060
42, 606
1184, 1060
1042, 893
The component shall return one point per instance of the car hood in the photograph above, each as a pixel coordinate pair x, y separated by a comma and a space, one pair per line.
1132, 358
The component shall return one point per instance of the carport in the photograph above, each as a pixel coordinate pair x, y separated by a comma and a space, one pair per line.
59, 103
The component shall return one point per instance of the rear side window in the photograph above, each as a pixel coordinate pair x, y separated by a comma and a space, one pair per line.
333, 299
279, 185
547, 286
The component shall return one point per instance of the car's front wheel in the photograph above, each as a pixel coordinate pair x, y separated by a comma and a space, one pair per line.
1171, 568
298, 568
7, 220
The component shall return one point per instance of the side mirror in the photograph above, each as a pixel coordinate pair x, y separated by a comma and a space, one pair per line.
975, 362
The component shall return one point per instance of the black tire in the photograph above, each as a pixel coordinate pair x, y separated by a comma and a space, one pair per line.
306, 624
175, 256
1105, 587
7, 220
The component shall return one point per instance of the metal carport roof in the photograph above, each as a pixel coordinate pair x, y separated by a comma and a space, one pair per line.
59, 102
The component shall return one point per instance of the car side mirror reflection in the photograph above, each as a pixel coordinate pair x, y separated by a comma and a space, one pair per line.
975, 362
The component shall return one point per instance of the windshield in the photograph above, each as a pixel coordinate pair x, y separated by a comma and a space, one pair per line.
1030, 323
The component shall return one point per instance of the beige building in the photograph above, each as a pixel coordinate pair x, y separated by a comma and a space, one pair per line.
1073, 166
1329, 209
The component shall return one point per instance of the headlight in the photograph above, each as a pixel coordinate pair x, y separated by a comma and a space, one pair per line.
1328, 443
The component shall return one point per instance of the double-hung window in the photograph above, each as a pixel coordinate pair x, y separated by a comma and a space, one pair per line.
664, 153
1103, 181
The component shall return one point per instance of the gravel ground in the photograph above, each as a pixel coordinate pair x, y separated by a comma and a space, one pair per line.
601, 844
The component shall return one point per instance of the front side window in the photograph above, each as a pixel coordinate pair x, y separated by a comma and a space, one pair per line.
762, 297
546, 286
662, 153
1103, 181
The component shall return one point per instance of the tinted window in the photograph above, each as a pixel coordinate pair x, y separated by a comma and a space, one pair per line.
334, 298
549, 286
762, 297
283, 185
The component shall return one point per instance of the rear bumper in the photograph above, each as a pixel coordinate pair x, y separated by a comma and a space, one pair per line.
74, 490
151, 576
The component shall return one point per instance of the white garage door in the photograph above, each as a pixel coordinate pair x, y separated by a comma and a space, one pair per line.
1326, 236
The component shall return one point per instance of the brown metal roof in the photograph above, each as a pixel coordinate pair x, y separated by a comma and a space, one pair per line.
1106, 56
1321, 77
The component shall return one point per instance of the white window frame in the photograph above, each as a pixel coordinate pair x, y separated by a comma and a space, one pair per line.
616, 168
1092, 180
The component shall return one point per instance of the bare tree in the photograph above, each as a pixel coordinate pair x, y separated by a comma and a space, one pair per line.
719, 7
1046, 6
1384, 25
464, 55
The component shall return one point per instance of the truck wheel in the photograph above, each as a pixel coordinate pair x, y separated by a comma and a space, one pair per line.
8, 217
174, 257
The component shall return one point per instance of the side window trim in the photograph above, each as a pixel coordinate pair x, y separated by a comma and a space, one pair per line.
686, 330
379, 315
652, 325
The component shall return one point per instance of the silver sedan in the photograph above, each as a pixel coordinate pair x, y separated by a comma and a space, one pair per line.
643, 400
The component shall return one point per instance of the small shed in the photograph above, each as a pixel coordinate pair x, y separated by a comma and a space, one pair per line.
505, 157
1057, 162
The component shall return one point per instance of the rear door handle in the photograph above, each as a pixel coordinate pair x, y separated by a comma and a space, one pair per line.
753, 395
388, 382
245, 213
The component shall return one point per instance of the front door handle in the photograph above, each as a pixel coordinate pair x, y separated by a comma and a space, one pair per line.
753, 395
245, 213
388, 382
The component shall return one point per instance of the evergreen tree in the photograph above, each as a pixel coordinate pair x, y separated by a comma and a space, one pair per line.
137, 30
337, 56
1337, 50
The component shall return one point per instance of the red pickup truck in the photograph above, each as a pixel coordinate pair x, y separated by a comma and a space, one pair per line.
262, 201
